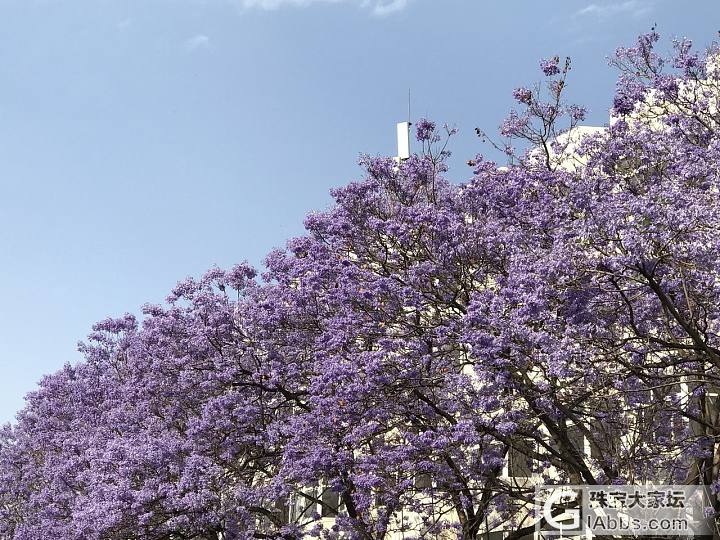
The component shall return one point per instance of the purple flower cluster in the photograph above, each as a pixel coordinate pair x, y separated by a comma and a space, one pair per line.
523, 95
550, 66
422, 340
424, 130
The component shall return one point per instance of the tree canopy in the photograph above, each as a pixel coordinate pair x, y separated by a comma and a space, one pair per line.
425, 348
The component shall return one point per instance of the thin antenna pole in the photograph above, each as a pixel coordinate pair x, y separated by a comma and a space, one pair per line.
409, 123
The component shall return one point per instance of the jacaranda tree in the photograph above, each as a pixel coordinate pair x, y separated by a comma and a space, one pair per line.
425, 350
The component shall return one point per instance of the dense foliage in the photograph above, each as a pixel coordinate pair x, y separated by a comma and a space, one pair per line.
560, 314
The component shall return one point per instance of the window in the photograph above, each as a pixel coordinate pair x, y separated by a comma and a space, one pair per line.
423, 481
302, 508
282, 507
520, 465
330, 503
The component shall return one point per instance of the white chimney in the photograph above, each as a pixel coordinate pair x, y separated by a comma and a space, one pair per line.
403, 140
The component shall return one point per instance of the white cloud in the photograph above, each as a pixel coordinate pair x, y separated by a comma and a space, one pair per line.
199, 41
274, 4
388, 7
633, 8
376, 7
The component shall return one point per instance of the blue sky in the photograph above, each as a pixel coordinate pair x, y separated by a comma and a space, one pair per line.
144, 141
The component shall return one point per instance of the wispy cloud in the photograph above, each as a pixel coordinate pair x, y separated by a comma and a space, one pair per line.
274, 4
380, 8
633, 8
388, 7
198, 41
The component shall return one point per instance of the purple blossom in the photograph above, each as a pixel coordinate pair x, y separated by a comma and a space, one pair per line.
417, 342
550, 66
577, 114
629, 93
506, 428
523, 95
424, 130
514, 124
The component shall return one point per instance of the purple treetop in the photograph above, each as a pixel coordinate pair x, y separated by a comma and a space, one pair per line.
406, 365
